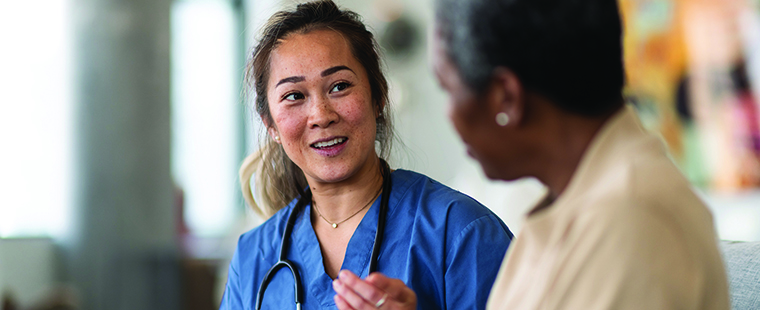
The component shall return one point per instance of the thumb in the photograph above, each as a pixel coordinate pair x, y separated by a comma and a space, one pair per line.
395, 288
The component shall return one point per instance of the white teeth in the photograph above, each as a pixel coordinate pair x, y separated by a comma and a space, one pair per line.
329, 143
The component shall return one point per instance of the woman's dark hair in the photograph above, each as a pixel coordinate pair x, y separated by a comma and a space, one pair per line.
569, 51
278, 179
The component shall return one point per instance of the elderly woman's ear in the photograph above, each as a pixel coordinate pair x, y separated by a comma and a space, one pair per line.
506, 97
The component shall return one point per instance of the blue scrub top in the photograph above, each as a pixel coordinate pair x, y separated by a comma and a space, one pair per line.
443, 244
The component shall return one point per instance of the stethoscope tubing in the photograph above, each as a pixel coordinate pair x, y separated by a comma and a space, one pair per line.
283, 262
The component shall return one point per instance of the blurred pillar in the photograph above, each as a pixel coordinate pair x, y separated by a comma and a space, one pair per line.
123, 251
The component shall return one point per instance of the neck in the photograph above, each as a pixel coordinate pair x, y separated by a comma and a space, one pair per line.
337, 201
566, 140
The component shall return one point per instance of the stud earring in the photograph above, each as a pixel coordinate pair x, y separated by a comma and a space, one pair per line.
277, 138
502, 119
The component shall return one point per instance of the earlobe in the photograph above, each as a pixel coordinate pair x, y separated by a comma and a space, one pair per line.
274, 135
502, 118
508, 104
379, 110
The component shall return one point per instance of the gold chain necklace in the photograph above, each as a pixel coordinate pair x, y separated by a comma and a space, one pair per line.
335, 224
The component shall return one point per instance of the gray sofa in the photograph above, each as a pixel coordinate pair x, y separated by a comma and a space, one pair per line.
743, 265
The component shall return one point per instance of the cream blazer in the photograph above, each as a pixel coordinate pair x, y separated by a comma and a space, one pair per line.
627, 233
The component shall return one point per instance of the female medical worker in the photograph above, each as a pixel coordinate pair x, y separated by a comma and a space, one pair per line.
322, 96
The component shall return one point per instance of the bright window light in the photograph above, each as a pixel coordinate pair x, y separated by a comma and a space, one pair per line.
36, 118
205, 107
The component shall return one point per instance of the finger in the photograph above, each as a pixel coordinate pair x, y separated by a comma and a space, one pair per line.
352, 298
342, 304
395, 288
366, 290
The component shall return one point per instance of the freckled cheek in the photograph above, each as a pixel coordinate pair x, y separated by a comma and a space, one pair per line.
352, 116
361, 120
357, 112
290, 129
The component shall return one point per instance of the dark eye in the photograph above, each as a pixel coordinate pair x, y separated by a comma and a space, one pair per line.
340, 86
294, 96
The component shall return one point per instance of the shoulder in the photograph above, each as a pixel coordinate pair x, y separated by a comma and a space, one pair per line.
263, 241
641, 204
633, 250
429, 194
639, 201
641, 232
646, 182
433, 201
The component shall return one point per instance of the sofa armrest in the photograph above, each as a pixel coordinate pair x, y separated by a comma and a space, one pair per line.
742, 261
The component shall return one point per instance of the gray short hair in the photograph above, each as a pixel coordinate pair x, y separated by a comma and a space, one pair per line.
569, 51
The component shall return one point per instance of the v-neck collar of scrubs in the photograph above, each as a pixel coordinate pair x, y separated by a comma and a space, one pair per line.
356, 260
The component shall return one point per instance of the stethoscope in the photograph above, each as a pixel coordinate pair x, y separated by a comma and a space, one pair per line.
284, 262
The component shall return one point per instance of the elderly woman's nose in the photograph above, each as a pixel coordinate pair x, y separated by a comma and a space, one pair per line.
322, 113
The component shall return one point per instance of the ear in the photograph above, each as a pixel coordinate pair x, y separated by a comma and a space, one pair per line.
507, 95
379, 109
271, 129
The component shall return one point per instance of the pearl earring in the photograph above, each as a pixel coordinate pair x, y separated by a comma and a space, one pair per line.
277, 138
502, 119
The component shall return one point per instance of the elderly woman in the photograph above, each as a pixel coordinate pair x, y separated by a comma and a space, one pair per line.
536, 91
339, 212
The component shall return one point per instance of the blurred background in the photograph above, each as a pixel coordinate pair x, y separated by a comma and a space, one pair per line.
122, 126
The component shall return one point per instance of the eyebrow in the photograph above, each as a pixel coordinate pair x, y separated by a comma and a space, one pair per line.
292, 79
300, 78
335, 69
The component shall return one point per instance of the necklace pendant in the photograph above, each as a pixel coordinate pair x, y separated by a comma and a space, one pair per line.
335, 225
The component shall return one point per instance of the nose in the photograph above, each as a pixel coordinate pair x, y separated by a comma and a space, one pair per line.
322, 113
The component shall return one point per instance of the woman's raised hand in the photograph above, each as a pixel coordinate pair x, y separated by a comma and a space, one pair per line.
375, 292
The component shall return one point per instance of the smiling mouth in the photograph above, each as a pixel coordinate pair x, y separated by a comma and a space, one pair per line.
329, 143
